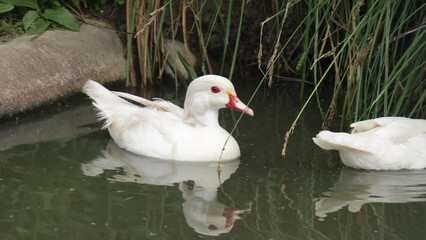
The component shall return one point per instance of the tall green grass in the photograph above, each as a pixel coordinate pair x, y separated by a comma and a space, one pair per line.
370, 52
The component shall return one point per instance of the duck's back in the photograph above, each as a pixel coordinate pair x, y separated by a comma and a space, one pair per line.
383, 143
396, 129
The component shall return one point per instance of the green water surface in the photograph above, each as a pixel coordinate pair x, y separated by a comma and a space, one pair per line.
61, 177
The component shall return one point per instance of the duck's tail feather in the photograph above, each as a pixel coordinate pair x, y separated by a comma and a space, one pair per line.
338, 141
109, 104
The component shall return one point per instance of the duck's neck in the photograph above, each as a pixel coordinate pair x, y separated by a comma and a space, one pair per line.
198, 111
207, 118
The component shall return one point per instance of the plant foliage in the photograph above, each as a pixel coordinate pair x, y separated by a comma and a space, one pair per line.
369, 51
151, 22
39, 15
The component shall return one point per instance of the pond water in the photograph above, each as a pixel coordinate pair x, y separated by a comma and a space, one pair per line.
61, 177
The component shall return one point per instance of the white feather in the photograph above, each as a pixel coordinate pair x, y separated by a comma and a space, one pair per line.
388, 143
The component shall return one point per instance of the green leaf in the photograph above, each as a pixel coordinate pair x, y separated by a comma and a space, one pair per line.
55, 3
63, 17
29, 18
22, 3
4, 7
189, 69
39, 26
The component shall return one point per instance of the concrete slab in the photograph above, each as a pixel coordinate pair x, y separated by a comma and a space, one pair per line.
37, 70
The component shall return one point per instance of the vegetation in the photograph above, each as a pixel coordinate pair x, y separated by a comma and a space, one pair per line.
39, 15
370, 52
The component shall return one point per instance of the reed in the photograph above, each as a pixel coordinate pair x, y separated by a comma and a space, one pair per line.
370, 52
151, 22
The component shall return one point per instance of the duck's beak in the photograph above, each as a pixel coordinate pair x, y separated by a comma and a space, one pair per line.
228, 213
236, 104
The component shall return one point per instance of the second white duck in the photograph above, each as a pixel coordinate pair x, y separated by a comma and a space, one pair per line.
387, 143
164, 130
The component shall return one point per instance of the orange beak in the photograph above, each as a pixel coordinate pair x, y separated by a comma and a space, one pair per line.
236, 104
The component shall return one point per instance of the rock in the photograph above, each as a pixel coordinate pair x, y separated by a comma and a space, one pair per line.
37, 70
171, 49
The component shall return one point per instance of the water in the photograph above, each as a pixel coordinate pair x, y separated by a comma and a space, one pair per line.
62, 178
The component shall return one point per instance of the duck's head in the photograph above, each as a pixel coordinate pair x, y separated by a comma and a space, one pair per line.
212, 92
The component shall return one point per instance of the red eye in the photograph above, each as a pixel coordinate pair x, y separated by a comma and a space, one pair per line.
215, 89
212, 227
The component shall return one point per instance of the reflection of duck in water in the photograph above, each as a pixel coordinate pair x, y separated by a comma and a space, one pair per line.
356, 188
199, 183
204, 212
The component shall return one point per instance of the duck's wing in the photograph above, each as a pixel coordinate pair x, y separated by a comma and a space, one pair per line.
158, 103
169, 106
395, 129
366, 125
341, 141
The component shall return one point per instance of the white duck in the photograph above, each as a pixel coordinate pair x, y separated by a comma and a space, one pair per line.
164, 130
387, 143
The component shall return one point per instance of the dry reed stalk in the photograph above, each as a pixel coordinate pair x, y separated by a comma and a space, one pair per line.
331, 111
271, 65
362, 55
331, 114
141, 42
184, 32
146, 30
194, 9
271, 62
322, 55
131, 66
260, 53
287, 136
153, 17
